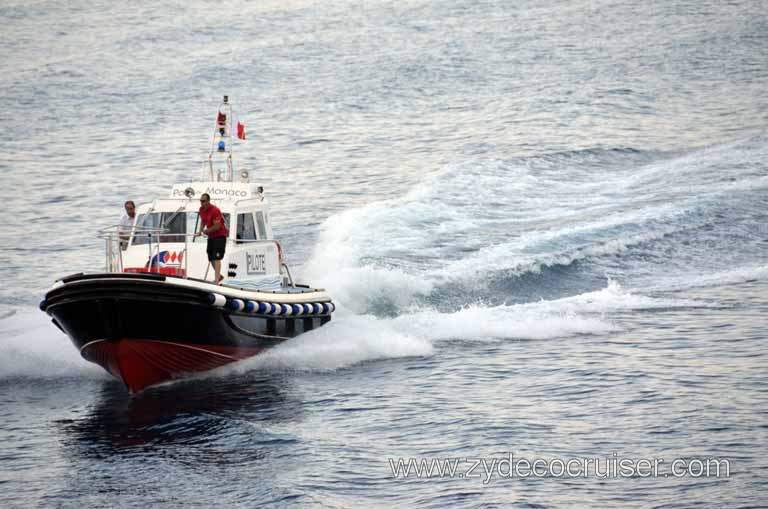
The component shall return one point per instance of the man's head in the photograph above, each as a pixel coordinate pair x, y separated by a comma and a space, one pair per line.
130, 208
205, 201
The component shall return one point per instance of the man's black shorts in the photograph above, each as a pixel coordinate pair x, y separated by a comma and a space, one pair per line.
216, 248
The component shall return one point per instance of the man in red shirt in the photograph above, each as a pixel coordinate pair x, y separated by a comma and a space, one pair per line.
212, 225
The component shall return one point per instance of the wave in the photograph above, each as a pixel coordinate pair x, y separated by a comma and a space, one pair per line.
351, 339
32, 346
615, 298
389, 290
345, 341
498, 259
739, 275
480, 221
477, 224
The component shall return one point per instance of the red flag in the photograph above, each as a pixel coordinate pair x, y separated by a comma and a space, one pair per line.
221, 123
240, 131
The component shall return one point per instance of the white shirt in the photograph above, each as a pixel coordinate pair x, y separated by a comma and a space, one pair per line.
126, 223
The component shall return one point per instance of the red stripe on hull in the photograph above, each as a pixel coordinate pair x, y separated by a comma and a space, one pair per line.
140, 363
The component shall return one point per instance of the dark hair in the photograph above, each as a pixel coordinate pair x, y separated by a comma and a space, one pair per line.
206, 195
131, 202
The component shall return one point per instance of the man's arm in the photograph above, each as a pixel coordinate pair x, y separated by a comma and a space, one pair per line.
214, 227
201, 229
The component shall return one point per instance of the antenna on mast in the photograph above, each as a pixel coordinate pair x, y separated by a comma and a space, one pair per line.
221, 143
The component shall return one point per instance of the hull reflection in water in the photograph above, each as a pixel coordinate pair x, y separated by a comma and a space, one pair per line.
191, 412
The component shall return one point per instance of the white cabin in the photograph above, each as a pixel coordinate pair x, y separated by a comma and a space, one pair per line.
162, 237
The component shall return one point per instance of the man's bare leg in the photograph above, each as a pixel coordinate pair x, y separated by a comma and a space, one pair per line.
217, 270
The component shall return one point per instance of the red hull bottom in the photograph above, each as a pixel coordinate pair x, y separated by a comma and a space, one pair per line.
141, 363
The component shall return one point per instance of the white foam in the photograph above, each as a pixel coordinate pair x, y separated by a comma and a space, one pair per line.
33, 347
343, 342
615, 298
569, 316
728, 277
30, 345
351, 339
401, 248
355, 288
346, 239
480, 323
696, 171
504, 257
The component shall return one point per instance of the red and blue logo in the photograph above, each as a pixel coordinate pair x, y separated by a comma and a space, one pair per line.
167, 259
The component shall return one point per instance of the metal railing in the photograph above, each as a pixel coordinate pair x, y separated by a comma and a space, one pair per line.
288, 271
118, 240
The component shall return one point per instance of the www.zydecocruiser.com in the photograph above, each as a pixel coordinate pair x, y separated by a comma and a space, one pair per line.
509, 466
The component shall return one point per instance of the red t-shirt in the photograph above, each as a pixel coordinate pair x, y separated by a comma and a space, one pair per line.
208, 216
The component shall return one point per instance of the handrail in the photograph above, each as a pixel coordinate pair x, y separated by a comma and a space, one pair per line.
290, 278
115, 236
254, 241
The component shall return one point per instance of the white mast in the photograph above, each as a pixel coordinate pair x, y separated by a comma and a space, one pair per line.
221, 144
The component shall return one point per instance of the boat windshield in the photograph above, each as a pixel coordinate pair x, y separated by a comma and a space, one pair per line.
174, 225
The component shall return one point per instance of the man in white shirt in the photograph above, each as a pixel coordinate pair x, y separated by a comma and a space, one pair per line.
126, 223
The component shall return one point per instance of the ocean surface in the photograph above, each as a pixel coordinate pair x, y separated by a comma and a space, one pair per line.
545, 225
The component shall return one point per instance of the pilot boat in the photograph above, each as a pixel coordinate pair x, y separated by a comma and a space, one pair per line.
155, 314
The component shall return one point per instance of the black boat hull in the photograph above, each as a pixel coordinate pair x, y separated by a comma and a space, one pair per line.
145, 330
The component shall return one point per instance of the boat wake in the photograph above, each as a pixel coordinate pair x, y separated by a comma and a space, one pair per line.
33, 347
352, 338
537, 259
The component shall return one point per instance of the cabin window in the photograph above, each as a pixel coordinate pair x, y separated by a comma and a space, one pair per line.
175, 227
261, 225
193, 223
226, 221
245, 227
164, 226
